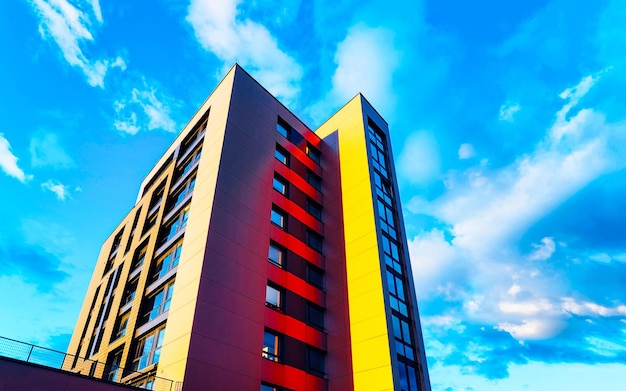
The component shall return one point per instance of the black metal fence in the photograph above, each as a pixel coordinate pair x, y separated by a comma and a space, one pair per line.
34, 354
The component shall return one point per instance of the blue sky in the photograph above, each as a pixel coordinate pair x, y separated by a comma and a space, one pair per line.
508, 127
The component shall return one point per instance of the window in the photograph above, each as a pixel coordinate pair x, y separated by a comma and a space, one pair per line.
408, 377
396, 293
139, 257
113, 370
280, 185
276, 255
314, 240
314, 180
283, 128
281, 155
189, 164
315, 276
129, 291
182, 194
268, 387
158, 303
150, 222
402, 334
148, 350
120, 328
279, 218
314, 209
315, 361
171, 229
315, 315
271, 345
385, 216
273, 296
313, 153
166, 262
392, 257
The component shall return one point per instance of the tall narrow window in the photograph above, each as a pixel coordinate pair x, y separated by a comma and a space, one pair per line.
279, 218
113, 370
280, 185
315, 276
283, 128
314, 240
313, 153
315, 315
166, 262
281, 155
175, 226
158, 303
273, 296
120, 327
276, 255
315, 361
314, 208
271, 346
314, 180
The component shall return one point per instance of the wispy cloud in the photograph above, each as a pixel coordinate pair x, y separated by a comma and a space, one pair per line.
466, 151
508, 111
220, 29
8, 162
60, 190
69, 24
45, 150
366, 61
473, 266
419, 161
144, 109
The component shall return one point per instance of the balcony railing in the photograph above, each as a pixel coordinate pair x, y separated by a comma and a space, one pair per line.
22, 351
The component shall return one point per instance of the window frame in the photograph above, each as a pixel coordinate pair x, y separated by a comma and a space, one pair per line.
314, 180
277, 212
314, 154
283, 184
282, 254
152, 354
273, 355
281, 155
279, 292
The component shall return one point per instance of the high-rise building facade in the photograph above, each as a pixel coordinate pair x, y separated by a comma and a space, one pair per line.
260, 255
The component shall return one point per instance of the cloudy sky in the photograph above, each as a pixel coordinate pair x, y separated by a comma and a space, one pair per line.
508, 126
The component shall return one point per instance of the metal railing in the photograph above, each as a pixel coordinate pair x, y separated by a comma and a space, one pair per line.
50, 358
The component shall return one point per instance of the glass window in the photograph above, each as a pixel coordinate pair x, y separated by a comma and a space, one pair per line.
171, 229
313, 153
314, 240
314, 209
273, 296
271, 346
315, 315
315, 361
113, 371
280, 185
158, 303
276, 255
267, 387
315, 276
120, 328
279, 218
166, 262
182, 194
314, 180
281, 155
129, 291
139, 258
283, 128
148, 350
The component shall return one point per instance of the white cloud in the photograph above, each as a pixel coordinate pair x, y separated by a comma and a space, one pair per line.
45, 150
8, 162
219, 28
588, 308
543, 251
466, 151
156, 111
366, 61
535, 329
419, 162
486, 211
508, 111
68, 24
60, 190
